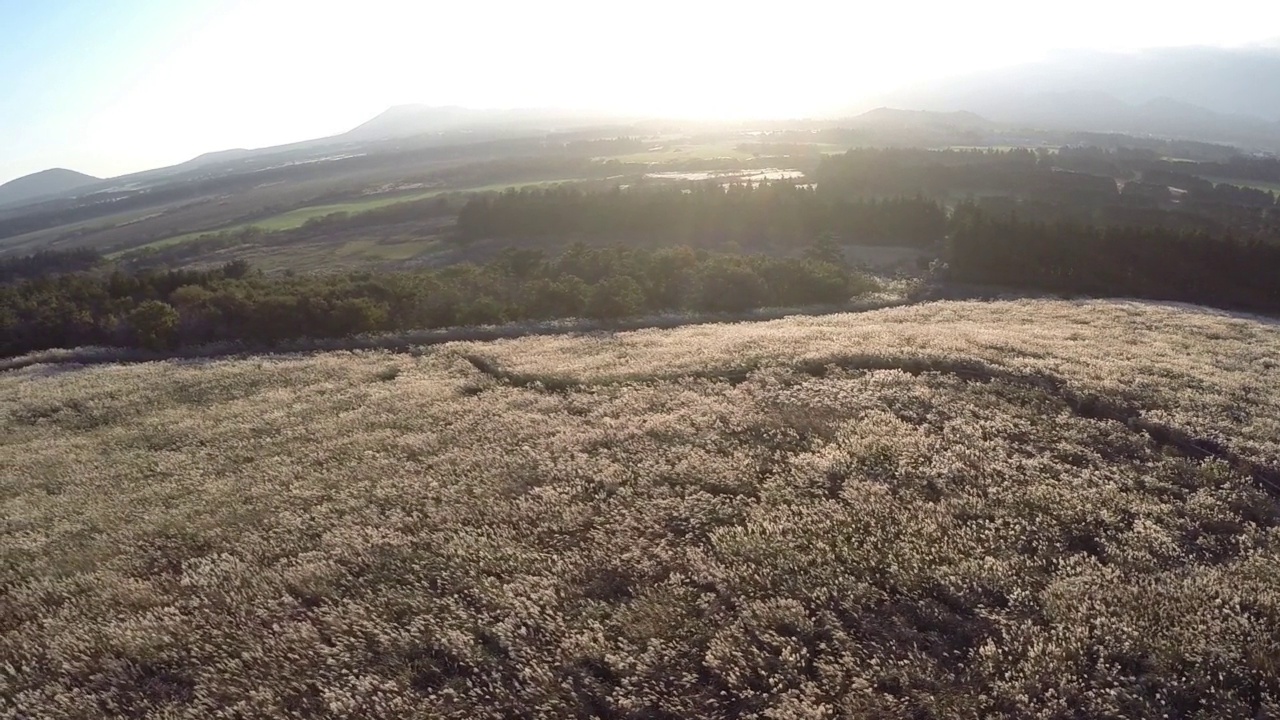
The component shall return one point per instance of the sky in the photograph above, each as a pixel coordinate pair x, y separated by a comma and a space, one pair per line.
109, 87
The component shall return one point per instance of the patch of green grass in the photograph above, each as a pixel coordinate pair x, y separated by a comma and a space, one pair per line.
389, 251
677, 152
994, 148
498, 187
297, 217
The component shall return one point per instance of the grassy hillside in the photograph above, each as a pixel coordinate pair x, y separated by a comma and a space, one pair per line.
298, 217
1031, 508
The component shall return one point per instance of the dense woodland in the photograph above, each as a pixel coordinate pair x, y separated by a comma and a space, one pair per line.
182, 308
705, 215
1156, 263
1091, 185
47, 262
1021, 171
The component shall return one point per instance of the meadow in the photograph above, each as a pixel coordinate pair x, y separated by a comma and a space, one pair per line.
1032, 508
298, 217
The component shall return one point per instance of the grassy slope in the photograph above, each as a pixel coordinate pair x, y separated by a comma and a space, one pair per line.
699, 522
298, 217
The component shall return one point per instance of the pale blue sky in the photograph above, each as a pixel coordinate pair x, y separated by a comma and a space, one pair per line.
115, 86
62, 62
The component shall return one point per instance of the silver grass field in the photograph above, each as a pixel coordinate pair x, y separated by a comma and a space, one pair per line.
1033, 508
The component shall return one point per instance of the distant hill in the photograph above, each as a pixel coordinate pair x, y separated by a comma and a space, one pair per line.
1206, 94
925, 118
403, 120
1094, 111
221, 156
43, 184
409, 120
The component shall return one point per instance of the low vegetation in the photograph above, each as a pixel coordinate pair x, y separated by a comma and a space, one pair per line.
954, 510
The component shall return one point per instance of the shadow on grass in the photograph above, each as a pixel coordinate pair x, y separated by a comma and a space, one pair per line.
1082, 404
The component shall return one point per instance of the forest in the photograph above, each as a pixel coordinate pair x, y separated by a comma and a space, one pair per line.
1090, 185
1114, 261
180, 308
707, 215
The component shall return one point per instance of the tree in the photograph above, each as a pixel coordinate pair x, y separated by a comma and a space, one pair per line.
154, 324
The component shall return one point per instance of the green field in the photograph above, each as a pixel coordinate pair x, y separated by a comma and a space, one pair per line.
298, 217
29, 242
384, 250
318, 256
677, 151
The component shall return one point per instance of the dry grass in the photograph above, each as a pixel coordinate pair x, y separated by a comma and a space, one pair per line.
710, 521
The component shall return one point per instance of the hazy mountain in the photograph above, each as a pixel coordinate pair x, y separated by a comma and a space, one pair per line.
220, 156
1241, 81
57, 181
396, 123
922, 119
408, 120
1211, 94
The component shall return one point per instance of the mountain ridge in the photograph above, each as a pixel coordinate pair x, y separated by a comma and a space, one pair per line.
1206, 94
400, 121
1188, 93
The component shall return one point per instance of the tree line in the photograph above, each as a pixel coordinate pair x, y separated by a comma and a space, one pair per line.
762, 214
1119, 187
938, 173
171, 309
1114, 261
